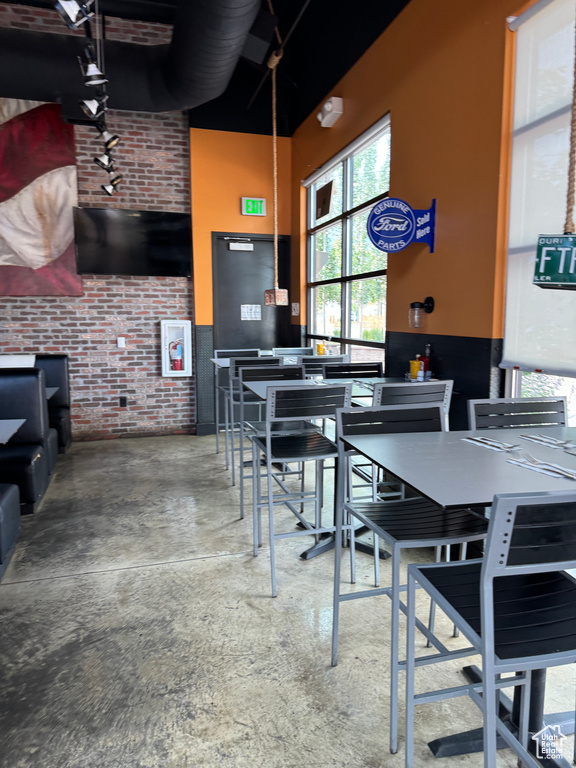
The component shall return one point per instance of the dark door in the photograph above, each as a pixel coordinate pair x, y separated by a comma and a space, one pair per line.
240, 279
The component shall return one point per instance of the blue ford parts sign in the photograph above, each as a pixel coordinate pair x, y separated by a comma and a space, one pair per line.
393, 225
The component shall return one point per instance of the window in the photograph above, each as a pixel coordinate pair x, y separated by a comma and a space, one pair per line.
539, 344
346, 272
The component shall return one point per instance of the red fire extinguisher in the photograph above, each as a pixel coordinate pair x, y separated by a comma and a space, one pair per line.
175, 350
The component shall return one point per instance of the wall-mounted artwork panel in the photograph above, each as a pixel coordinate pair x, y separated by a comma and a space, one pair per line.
38, 191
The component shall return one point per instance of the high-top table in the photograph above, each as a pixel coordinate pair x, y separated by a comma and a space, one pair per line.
455, 473
9, 427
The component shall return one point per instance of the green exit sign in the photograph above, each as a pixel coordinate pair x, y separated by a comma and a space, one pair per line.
253, 206
555, 265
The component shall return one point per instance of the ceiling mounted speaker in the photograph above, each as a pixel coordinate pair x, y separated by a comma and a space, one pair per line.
330, 111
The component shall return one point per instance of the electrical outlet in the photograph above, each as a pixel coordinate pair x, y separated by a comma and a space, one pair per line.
123, 402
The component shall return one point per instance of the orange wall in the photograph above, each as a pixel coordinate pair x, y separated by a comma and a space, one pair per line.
225, 167
441, 72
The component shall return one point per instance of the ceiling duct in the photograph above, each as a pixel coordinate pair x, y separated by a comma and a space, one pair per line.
196, 67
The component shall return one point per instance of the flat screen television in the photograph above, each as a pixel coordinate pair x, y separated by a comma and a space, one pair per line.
110, 241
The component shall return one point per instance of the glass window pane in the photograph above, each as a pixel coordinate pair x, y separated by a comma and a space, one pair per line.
368, 309
335, 176
328, 253
371, 170
326, 314
365, 256
362, 354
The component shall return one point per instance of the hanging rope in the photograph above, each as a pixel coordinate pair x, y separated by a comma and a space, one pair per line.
273, 64
569, 223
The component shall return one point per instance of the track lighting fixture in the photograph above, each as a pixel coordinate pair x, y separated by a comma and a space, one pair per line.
94, 108
110, 188
105, 162
110, 140
92, 73
74, 14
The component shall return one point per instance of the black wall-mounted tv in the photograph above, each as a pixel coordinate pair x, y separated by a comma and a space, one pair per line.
110, 241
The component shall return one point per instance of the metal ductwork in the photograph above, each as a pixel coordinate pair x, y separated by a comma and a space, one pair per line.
207, 41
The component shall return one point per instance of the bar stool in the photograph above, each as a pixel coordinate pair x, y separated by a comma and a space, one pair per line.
221, 384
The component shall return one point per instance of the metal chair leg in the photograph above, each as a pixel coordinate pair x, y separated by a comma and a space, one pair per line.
394, 650
410, 670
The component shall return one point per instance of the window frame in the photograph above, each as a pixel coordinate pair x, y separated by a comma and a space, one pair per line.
344, 158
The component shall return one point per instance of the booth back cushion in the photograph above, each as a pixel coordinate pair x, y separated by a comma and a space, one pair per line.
23, 396
56, 369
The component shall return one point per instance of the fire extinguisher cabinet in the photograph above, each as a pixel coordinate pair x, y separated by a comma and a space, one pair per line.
176, 347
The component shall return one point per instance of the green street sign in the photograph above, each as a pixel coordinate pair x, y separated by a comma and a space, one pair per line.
253, 206
555, 265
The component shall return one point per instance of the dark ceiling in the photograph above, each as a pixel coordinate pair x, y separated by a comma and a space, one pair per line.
326, 41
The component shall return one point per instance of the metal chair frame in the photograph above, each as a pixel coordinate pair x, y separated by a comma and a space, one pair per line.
517, 620
233, 402
286, 404
251, 429
221, 385
409, 523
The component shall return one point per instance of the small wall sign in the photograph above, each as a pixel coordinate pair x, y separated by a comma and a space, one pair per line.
250, 312
393, 224
555, 265
253, 206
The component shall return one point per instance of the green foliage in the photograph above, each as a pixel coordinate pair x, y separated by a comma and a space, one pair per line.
540, 385
373, 334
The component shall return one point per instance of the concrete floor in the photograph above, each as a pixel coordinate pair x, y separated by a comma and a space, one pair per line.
138, 632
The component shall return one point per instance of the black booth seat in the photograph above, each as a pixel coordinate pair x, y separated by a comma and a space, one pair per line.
9, 523
55, 368
30, 454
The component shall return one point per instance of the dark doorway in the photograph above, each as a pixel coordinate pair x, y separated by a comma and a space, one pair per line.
240, 278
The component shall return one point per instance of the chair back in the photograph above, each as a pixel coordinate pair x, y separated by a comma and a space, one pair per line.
530, 536
314, 364
429, 392
390, 419
531, 533
517, 412
55, 368
268, 373
293, 351
23, 396
307, 402
366, 370
236, 353
244, 362
271, 373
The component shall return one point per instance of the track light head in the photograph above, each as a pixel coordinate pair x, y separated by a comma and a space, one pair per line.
110, 139
74, 14
94, 108
105, 162
110, 188
93, 76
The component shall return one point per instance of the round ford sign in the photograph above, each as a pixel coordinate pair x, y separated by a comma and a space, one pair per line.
391, 225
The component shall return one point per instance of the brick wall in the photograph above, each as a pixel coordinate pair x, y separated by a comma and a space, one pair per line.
153, 159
